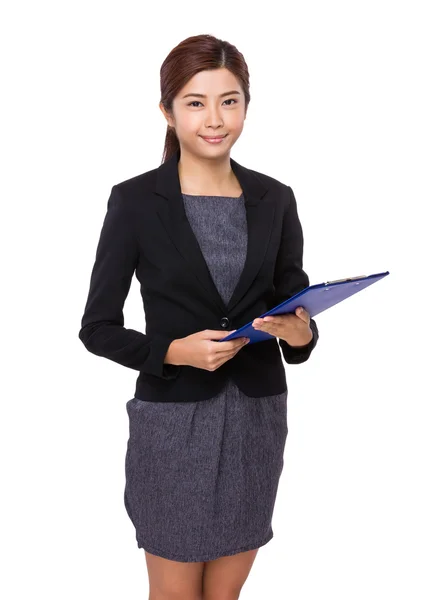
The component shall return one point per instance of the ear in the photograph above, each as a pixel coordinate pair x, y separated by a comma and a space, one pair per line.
166, 115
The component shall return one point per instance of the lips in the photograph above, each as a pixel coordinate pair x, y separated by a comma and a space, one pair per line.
214, 140
214, 137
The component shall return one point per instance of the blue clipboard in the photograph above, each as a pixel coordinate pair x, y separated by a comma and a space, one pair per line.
314, 298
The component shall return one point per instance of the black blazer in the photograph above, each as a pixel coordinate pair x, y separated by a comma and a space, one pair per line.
146, 232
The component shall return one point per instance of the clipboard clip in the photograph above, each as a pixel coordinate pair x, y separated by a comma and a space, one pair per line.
345, 279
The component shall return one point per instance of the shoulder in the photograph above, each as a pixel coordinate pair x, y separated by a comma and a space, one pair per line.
127, 196
133, 189
280, 191
136, 185
268, 180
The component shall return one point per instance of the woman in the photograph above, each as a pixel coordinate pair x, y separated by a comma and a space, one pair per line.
208, 422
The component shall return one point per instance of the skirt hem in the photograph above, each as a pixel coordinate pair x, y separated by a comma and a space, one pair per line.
205, 557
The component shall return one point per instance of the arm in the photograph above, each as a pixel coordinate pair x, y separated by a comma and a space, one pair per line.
102, 325
290, 278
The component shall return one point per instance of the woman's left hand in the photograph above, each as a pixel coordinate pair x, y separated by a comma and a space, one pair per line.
292, 328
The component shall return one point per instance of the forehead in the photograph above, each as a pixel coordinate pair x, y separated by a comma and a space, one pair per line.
211, 82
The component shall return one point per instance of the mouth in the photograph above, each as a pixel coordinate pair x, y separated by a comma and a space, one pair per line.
214, 139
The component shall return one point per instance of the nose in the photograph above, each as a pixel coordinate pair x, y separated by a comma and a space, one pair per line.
214, 119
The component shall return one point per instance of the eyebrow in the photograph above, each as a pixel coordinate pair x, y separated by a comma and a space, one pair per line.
203, 96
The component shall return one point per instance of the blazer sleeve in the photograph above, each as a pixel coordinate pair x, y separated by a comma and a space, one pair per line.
290, 278
102, 325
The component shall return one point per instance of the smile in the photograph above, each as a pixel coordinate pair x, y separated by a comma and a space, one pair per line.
214, 140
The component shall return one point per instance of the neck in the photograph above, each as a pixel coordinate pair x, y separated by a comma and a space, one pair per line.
201, 173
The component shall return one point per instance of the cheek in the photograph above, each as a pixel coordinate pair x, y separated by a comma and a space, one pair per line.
236, 121
235, 131
188, 124
190, 128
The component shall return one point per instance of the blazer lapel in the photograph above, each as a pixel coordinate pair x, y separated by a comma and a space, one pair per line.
259, 217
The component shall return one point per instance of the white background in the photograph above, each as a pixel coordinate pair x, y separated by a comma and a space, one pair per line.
342, 110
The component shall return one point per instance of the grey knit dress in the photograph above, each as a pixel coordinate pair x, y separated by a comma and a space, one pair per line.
202, 477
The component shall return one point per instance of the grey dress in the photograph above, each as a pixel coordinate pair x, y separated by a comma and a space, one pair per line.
202, 477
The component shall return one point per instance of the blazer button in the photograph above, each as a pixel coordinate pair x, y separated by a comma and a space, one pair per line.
225, 322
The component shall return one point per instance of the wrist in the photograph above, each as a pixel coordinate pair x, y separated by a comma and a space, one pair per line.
172, 354
302, 341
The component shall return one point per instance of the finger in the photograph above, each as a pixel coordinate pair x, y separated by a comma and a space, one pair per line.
214, 334
302, 314
278, 318
231, 345
267, 322
272, 329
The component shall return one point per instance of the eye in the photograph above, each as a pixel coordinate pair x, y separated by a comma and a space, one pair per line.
229, 100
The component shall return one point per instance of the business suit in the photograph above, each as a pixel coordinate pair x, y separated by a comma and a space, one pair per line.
145, 231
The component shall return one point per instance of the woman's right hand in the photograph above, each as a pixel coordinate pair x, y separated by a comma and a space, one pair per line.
200, 350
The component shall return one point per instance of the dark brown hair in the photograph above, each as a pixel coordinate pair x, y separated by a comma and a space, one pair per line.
192, 55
